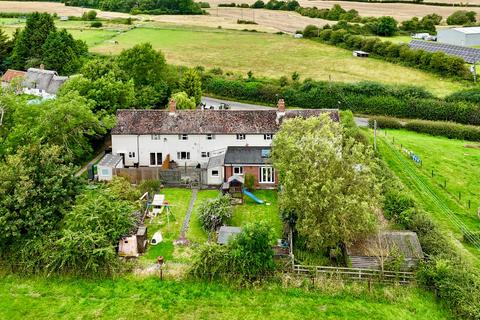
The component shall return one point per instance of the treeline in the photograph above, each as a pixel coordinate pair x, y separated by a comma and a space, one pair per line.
346, 36
363, 97
141, 6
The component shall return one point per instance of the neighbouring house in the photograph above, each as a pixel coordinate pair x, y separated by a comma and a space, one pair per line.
190, 138
42, 83
467, 37
10, 75
225, 233
107, 164
251, 160
382, 248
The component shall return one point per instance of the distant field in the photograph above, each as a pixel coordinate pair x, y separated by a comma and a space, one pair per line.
454, 165
272, 56
150, 298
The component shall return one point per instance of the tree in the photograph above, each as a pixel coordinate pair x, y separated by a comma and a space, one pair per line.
62, 53
259, 4
192, 85
29, 43
6, 47
89, 15
327, 180
36, 186
385, 26
214, 213
183, 101
461, 17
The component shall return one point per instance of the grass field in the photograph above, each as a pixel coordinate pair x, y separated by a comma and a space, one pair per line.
195, 232
273, 56
150, 298
453, 165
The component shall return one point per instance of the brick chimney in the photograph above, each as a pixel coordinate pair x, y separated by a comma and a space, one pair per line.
280, 110
172, 107
281, 105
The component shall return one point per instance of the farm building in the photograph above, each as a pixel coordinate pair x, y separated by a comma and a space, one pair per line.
378, 250
467, 37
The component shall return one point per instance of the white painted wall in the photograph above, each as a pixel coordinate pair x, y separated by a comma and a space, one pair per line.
39, 93
143, 145
215, 180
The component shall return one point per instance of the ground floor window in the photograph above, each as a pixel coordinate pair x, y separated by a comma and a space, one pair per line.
214, 173
237, 170
205, 154
183, 155
267, 175
155, 159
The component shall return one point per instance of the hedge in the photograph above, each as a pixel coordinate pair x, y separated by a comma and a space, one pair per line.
436, 128
364, 97
343, 35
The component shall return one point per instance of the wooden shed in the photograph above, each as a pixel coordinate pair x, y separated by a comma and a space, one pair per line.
377, 250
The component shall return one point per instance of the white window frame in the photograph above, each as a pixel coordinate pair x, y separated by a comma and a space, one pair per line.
156, 137
205, 154
183, 137
215, 175
180, 157
210, 136
265, 173
241, 136
239, 169
156, 158
268, 136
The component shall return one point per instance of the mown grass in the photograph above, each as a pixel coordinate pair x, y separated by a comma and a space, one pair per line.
169, 224
271, 55
450, 161
250, 211
150, 298
195, 233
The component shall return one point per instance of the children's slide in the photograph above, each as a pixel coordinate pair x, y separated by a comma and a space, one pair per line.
252, 196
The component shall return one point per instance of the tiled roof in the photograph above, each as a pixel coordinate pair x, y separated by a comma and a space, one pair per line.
246, 155
10, 74
207, 121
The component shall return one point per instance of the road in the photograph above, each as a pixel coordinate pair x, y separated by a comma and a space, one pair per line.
361, 122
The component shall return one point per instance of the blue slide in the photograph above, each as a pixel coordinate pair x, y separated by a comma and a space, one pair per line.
252, 196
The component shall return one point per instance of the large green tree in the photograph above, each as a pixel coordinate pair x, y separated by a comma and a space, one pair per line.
36, 185
192, 85
326, 180
28, 48
6, 46
62, 53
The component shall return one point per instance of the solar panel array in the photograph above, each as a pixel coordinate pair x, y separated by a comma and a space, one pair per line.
470, 55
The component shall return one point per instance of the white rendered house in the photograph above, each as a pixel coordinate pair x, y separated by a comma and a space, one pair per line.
146, 138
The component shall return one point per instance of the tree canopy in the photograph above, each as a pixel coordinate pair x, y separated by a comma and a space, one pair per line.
192, 85
326, 180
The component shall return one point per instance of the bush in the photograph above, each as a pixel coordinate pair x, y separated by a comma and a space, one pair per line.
446, 129
247, 257
385, 123
214, 213
396, 202
96, 24
89, 15
259, 4
250, 182
183, 101
473, 238
204, 5
150, 186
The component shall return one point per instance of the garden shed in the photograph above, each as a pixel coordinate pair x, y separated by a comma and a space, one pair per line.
377, 251
107, 164
225, 233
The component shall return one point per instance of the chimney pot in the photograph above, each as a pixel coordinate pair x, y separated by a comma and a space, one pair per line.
172, 106
42, 66
281, 105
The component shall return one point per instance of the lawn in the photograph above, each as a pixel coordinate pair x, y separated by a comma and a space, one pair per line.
251, 211
271, 55
195, 232
169, 224
453, 166
150, 298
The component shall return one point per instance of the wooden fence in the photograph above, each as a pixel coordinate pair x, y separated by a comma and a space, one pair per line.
171, 177
355, 273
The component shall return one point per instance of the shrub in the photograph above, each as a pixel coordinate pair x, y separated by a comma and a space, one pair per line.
472, 238
96, 24
446, 129
150, 186
214, 213
396, 203
250, 182
89, 15
204, 5
259, 4
183, 101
